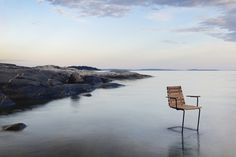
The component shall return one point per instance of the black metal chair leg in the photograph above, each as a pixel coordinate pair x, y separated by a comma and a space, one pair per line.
199, 112
183, 121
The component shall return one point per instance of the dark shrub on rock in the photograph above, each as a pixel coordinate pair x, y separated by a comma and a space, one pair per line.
75, 78
83, 68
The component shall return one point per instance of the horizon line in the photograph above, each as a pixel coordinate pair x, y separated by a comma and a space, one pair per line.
135, 69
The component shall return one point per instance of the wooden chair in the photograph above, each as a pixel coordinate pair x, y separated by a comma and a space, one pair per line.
176, 101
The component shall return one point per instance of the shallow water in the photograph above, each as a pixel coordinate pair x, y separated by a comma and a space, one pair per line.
131, 121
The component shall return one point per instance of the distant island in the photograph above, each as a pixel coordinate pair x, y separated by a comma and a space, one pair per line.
204, 70
22, 86
156, 69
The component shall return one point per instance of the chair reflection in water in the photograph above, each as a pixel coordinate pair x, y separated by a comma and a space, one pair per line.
176, 101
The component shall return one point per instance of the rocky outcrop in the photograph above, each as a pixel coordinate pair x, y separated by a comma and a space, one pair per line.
21, 86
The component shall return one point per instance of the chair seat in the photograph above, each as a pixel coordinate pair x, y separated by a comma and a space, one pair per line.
186, 107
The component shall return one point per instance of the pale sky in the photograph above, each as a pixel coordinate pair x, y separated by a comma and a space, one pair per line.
119, 33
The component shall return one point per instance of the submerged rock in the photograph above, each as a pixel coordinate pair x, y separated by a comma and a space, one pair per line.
87, 94
14, 127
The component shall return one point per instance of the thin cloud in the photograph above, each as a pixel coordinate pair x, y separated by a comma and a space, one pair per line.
192, 29
40, 1
93, 8
226, 22
122, 7
171, 42
160, 16
222, 27
60, 11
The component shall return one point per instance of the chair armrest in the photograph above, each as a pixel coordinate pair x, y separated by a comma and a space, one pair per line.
175, 98
194, 96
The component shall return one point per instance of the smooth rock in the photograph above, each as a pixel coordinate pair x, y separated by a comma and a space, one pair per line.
14, 127
5, 102
93, 80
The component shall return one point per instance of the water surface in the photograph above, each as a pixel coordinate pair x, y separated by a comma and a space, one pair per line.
131, 121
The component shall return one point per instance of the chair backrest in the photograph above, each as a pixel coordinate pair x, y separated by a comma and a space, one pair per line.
175, 91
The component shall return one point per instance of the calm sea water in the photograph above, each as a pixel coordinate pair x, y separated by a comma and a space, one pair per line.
131, 121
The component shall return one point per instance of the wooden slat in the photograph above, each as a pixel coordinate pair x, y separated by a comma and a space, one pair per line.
175, 91
173, 87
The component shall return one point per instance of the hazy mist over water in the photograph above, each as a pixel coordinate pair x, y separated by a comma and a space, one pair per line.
131, 121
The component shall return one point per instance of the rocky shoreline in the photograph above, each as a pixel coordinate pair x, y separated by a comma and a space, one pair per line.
22, 87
